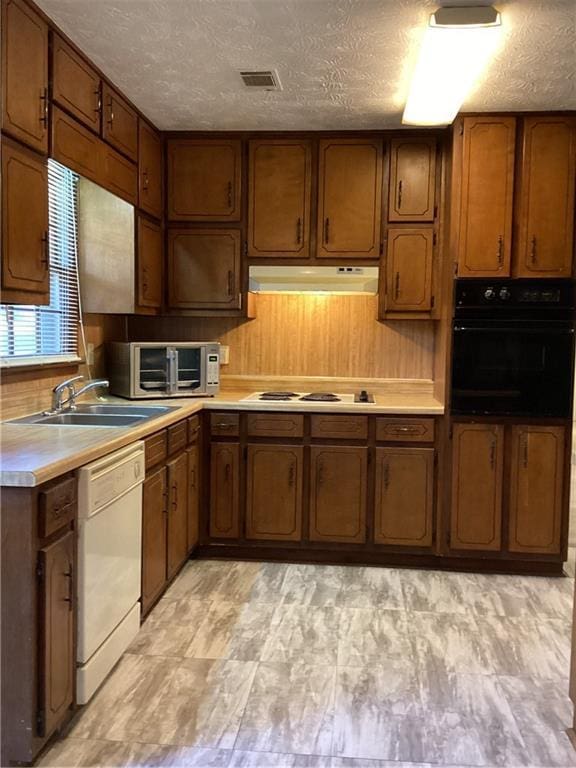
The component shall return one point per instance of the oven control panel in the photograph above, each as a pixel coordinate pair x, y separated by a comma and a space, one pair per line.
472, 293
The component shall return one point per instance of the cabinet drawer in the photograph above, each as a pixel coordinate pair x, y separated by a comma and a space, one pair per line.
275, 425
193, 428
57, 506
405, 430
155, 449
345, 427
225, 424
177, 437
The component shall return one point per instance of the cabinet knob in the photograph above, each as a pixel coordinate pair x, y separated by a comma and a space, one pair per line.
298, 230
400, 194
397, 285
45, 258
326, 231
500, 251
44, 108
110, 120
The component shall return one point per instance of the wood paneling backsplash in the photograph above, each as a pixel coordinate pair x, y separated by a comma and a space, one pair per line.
311, 335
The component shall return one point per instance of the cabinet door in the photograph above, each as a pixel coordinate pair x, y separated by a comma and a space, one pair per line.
117, 174
204, 178
412, 179
546, 201
204, 269
57, 610
154, 512
24, 74
338, 493
75, 147
150, 170
279, 198
404, 496
349, 198
75, 85
409, 270
149, 266
274, 495
536, 489
224, 490
119, 123
477, 466
177, 512
25, 254
487, 180
193, 495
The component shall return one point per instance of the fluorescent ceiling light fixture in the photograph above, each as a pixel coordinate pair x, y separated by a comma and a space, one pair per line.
457, 46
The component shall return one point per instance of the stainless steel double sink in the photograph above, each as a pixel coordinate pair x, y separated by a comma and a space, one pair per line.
97, 415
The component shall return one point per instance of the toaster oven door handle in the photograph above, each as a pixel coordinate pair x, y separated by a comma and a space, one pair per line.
172, 372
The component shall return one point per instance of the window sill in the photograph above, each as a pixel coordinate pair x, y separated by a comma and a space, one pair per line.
39, 362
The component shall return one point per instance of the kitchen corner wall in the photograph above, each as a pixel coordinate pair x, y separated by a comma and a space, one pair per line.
306, 335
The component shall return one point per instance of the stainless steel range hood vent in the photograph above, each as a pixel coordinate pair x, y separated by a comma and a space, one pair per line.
339, 280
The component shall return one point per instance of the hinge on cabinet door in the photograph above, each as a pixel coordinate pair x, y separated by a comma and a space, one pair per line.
40, 722
435, 211
434, 238
40, 569
245, 248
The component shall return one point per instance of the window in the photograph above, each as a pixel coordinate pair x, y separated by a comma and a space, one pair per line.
30, 334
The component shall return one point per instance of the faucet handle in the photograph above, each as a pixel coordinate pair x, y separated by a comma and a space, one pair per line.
67, 383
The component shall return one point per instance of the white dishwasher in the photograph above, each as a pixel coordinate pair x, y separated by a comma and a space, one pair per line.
109, 563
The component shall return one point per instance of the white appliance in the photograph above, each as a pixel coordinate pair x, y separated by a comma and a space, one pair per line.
109, 563
312, 279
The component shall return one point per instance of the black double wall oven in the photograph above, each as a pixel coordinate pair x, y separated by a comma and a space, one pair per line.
513, 348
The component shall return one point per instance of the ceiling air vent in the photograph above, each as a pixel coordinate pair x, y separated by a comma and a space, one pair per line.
266, 80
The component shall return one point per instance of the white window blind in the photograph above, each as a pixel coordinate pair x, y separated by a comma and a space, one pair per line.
30, 334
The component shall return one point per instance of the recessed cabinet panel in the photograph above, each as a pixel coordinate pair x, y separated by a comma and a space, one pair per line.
149, 267
74, 146
409, 270
150, 170
546, 199
154, 531
24, 75
349, 198
404, 496
412, 179
193, 495
274, 492
119, 123
204, 269
338, 480
279, 198
177, 512
75, 85
204, 179
477, 468
536, 487
25, 254
487, 181
224, 490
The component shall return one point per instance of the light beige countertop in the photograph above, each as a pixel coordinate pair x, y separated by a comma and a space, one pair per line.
33, 454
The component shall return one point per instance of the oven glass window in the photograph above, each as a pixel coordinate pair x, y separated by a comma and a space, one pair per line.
189, 368
153, 369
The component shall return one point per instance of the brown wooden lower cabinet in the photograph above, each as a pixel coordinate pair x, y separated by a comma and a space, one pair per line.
274, 492
404, 499
224, 490
154, 537
177, 513
338, 484
193, 454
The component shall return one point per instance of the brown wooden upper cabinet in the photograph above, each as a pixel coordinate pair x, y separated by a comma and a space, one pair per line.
75, 84
279, 198
149, 170
25, 254
119, 123
274, 492
412, 179
224, 490
204, 179
486, 179
409, 261
24, 74
536, 488
545, 209
149, 264
349, 198
477, 468
204, 269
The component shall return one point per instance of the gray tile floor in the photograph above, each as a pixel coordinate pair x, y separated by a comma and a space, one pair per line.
259, 664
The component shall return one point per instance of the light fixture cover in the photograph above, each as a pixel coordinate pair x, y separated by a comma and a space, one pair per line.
457, 45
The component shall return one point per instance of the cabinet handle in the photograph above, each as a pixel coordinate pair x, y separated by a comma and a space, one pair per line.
223, 425
533, 249
44, 108
45, 258
175, 496
193, 479
492, 454
98, 107
400, 194
70, 599
227, 473
229, 189
500, 251
386, 475
525, 453
145, 181
145, 281
291, 475
397, 285
110, 120
230, 283
299, 231
320, 474
409, 430
326, 231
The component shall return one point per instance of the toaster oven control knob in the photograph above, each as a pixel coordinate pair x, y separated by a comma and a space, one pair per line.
489, 294
504, 293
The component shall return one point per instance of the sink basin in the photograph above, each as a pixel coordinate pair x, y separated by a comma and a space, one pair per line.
98, 415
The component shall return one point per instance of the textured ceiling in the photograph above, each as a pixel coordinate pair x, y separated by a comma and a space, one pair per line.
343, 64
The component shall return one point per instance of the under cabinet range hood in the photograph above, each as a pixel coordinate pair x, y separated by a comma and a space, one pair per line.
312, 279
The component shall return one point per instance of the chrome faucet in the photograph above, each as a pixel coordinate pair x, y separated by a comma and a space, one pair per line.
61, 403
